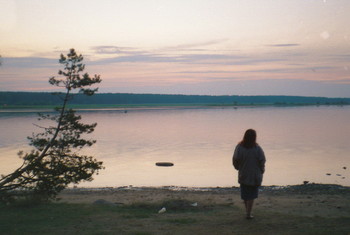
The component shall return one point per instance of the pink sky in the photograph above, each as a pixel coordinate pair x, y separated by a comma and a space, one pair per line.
182, 47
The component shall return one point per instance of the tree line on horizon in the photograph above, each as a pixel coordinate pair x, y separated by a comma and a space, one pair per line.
8, 98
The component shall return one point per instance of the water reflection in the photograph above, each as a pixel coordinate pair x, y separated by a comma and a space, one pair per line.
301, 143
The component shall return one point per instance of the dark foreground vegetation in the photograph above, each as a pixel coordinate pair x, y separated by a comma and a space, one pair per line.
142, 219
24, 99
304, 209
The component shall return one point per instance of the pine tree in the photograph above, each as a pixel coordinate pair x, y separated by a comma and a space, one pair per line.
55, 161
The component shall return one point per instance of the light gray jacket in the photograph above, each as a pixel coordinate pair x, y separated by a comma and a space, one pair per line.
250, 163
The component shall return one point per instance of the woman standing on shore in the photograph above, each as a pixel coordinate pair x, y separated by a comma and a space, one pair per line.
249, 159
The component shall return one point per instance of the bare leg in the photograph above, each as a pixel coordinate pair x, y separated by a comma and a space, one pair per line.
248, 207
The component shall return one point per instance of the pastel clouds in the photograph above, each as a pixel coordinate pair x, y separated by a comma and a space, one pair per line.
185, 46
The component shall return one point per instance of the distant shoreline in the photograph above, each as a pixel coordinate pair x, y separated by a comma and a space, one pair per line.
45, 100
12, 108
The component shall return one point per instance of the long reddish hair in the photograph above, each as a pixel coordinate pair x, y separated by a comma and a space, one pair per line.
249, 139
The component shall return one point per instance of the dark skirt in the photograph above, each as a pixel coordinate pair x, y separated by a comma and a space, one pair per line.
249, 192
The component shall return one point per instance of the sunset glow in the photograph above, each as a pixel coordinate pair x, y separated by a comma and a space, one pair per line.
208, 47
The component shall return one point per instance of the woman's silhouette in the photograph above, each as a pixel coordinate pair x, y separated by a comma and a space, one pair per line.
249, 159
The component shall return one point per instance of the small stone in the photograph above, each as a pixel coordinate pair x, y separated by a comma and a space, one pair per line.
163, 210
194, 204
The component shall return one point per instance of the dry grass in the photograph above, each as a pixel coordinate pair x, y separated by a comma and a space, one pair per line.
135, 211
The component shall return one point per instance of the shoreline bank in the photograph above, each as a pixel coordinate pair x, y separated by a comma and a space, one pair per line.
326, 200
296, 209
306, 187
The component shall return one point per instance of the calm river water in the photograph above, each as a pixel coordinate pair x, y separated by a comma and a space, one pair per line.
300, 143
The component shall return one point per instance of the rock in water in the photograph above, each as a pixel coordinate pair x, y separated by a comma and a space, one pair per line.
164, 164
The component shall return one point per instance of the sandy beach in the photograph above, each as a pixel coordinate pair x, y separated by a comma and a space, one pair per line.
292, 210
304, 200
